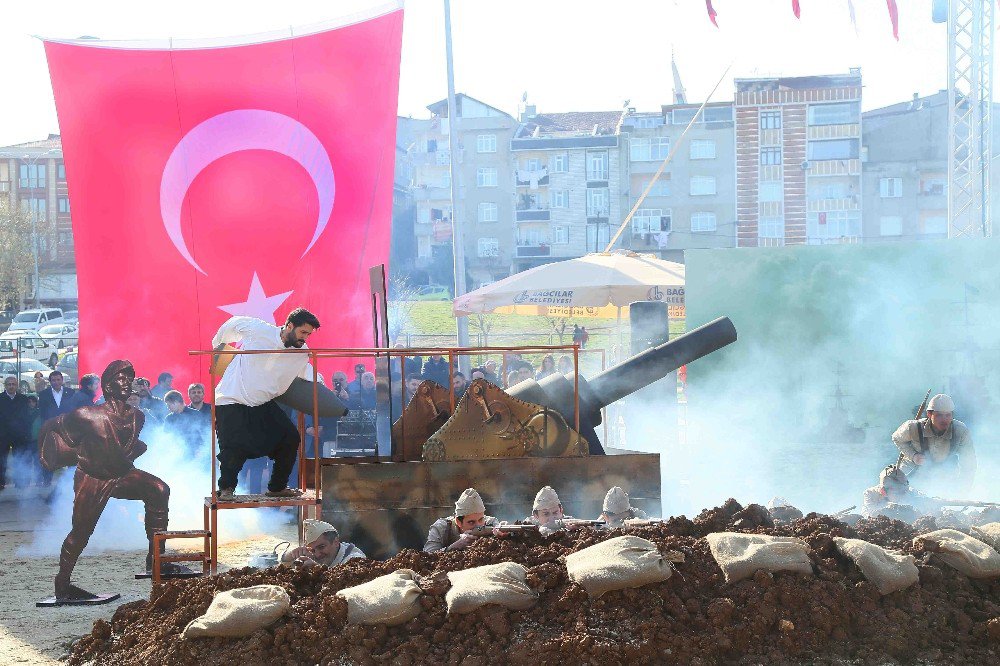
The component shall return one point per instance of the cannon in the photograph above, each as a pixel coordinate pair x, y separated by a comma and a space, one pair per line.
533, 418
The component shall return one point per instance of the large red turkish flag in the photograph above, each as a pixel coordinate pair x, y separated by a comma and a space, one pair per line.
220, 179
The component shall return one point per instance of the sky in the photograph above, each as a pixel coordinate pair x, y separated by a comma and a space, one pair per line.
568, 55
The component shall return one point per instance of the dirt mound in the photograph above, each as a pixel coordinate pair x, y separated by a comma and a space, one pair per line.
692, 618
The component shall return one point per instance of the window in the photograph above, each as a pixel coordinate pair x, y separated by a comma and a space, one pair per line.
770, 120
486, 143
423, 216
532, 164
830, 190
890, 226
771, 227
598, 236
63, 204
661, 188
833, 225
36, 206
835, 114
533, 236
31, 175
560, 234
650, 220
61, 172
597, 165
838, 149
702, 185
489, 247
597, 202
487, 211
432, 145
424, 247
486, 177
560, 163
712, 114
647, 122
771, 190
934, 186
890, 188
770, 156
652, 149
559, 198
703, 221
703, 149
936, 225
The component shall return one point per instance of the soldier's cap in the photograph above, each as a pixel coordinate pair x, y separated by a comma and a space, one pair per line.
941, 403
777, 502
469, 502
114, 368
893, 476
546, 499
314, 529
616, 501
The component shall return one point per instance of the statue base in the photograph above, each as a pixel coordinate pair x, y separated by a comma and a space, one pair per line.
53, 601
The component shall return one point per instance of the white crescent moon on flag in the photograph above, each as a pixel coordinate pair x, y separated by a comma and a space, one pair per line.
231, 132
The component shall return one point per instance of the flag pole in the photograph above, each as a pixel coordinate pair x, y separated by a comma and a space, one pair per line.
457, 236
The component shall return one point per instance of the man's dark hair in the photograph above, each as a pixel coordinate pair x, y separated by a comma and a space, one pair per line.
55, 373
300, 316
459, 374
164, 376
89, 381
173, 396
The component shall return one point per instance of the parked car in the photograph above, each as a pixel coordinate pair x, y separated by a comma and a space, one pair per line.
6, 317
433, 292
32, 320
72, 317
61, 335
29, 344
68, 365
25, 369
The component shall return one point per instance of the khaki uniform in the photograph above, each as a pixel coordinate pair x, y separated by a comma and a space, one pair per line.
956, 440
445, 532
545, 529
347, 551
906, 507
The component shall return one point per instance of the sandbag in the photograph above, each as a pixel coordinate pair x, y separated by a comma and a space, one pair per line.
240, 612
615, 564
967, 554
391, 599
886, 570
740, 555
503, 584
989, 534
299, 397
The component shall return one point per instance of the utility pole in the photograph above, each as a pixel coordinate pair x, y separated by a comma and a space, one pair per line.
457, 237
33, 205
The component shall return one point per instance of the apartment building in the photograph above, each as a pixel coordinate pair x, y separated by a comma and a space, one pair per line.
568, 189
692, 204
798, 160
32, 175
485, 186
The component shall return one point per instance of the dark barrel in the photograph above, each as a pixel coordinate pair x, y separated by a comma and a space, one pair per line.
654, 364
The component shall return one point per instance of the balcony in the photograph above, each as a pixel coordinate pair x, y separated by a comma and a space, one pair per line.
437, 158
850, 167
848, 131
534, 179
532, 213
527, 251
431, 193
770, 138
828, 205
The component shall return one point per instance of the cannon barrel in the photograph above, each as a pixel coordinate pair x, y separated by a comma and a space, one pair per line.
638, 372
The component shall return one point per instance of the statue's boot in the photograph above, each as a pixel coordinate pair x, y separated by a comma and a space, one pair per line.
66, 591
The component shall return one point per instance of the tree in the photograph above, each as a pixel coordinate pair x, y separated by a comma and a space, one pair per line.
484, 323
556, 325
399, 306
16, 258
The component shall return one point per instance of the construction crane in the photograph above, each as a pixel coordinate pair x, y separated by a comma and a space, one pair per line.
970, 104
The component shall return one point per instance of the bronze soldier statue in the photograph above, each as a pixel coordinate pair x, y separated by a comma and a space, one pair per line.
103, 442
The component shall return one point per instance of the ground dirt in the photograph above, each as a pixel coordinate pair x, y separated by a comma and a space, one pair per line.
831, 617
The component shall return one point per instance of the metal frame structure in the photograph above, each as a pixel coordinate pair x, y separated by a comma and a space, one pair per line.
313, 498
970, 104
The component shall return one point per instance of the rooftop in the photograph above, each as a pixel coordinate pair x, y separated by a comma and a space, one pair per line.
576, 123
53, 142
798, 82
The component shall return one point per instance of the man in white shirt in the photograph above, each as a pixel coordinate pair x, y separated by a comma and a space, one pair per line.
249, 422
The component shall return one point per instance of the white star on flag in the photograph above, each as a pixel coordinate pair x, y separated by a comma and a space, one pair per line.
257, 304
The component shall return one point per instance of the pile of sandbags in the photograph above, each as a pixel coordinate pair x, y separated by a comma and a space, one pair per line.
615, 564
390, 599
240, 612
503, 584
988, 533
965, 553
740, 555
887, 571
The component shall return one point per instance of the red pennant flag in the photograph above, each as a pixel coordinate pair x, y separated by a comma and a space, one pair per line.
894, 17
711, 13
208, 180
796, 9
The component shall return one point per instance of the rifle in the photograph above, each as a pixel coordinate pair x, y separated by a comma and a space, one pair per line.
950, 502
843, 511
920, 412
488, 530
577, 522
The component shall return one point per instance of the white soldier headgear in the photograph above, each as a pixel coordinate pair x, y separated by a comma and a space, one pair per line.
616, 501
546, 499
469, 502
941, 403
314, 529
778, 502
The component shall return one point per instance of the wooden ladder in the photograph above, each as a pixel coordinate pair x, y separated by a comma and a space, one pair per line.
162, 536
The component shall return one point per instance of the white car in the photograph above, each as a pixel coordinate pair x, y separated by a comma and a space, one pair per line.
60, 335
25, 370
28, 344
32, 320
72, 317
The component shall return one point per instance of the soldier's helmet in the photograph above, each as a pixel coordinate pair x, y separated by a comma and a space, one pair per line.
893, 478
941, 403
